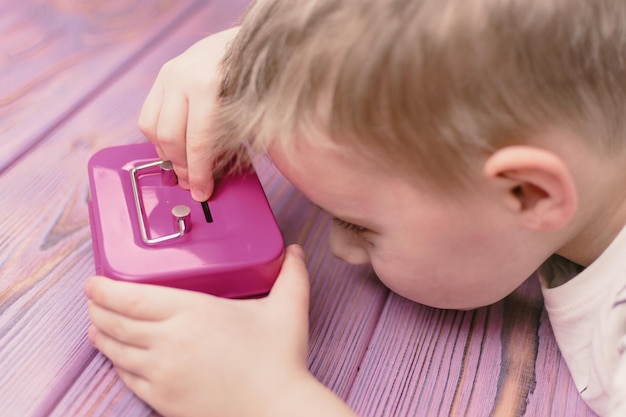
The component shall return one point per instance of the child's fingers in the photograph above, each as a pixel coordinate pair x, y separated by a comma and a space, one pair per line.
129, 358
292, 285
149, 115
172, 131
126, 330
137, 384
136, 301
199, 148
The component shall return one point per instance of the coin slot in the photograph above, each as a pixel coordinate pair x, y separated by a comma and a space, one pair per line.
207, 212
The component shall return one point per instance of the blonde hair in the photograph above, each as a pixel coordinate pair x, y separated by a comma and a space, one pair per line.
426, 85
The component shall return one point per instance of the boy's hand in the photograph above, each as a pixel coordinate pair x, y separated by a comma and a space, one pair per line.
192, 354
177, 113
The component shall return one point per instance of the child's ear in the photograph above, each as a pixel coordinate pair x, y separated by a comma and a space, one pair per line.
535, 184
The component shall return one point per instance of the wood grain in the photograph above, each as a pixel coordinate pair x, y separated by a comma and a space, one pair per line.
73, 75
56, 56
500, 360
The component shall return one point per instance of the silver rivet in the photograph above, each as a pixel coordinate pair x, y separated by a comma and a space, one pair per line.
182, 217
168, 176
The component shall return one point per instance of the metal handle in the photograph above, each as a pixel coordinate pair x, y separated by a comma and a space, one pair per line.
182, 214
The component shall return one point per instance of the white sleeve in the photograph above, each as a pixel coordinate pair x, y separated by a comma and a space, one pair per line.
617, 402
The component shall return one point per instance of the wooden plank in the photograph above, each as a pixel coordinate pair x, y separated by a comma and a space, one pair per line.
500, 360
55, 56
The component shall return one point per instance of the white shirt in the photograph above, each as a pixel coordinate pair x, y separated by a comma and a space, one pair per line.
588, 316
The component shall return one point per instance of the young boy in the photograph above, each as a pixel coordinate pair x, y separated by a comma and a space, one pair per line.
460, 144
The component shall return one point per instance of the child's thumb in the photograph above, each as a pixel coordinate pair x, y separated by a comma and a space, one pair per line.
292, 284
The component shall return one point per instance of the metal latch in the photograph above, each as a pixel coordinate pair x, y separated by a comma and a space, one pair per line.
181, 213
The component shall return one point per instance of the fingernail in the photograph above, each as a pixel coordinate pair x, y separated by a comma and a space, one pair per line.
88, 290
297, 251
198, 195
91, 334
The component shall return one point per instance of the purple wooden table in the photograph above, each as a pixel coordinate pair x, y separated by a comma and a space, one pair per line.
73, 75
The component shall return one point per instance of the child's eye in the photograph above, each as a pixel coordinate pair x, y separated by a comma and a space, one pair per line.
351, 227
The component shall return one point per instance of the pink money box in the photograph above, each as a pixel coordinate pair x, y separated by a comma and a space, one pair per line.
147, 229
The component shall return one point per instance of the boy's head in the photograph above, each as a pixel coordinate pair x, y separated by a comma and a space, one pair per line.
429, 84
423, 98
